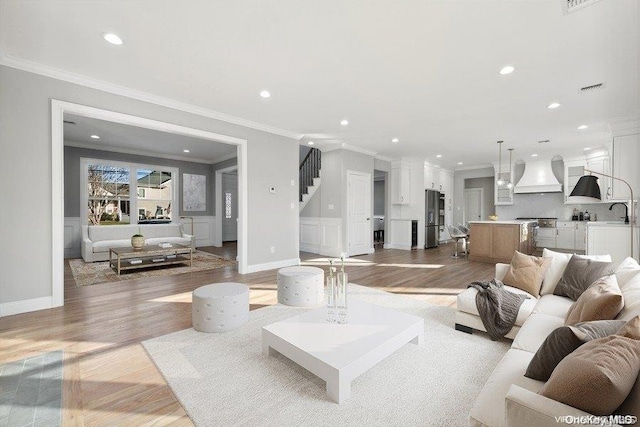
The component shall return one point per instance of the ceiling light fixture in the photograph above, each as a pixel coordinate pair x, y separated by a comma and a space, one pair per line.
534, 155
394, 140
587, 148
112, 38
508, 69
460, 163
553, 105
310, 143
265, 94
582, 127
186, 151
510, 184
438, 156
500, 180
344, 122
95, 136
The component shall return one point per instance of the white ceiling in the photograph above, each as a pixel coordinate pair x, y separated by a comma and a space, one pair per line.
137, 140
425, 72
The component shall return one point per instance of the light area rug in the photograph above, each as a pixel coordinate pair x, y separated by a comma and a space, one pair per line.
93, 273
225, 380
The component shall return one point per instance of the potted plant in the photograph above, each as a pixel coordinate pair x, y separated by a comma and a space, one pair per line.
137, 241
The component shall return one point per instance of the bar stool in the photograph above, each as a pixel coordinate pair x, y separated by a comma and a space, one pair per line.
456, 235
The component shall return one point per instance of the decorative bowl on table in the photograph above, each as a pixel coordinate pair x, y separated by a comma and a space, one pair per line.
493, 217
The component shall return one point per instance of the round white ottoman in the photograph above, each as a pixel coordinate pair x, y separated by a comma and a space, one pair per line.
301, 286
220, 307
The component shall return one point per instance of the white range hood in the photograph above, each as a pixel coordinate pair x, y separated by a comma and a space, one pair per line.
538, 177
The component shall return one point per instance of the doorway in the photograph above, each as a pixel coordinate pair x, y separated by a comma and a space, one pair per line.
230, 202
359, 229
472, 205
58, 110
379, 206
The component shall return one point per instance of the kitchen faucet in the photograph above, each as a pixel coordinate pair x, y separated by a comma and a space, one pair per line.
626, 210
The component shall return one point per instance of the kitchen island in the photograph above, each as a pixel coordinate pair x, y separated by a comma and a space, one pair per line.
497, 241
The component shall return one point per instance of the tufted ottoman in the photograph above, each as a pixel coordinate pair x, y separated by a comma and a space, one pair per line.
220, 307
301, 286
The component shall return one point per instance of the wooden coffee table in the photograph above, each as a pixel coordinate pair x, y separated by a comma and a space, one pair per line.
149, 256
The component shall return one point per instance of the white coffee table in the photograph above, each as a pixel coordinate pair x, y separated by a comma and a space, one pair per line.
339, 353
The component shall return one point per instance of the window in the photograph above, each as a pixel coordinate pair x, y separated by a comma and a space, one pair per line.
227, 205
108, 194
155, 194
113, 191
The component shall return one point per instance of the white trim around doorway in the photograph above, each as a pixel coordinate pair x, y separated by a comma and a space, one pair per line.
218, 203
58, 109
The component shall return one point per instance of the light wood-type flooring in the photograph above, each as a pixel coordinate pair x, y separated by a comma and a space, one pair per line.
108, 378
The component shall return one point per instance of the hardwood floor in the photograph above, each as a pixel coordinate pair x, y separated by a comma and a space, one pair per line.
108, 378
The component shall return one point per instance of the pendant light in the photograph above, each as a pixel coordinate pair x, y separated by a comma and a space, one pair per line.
510, 184
500, 180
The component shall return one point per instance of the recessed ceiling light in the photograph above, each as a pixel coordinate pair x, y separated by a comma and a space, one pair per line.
344, 122
95, 136
310, 143
534, 155
508, 69
438, 156
394, 140
553, 105
460, 163
587, 148
265, 94
186, 151
582, 127
112, 38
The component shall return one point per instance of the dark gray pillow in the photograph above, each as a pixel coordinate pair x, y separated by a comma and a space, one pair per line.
563, 341
580, 274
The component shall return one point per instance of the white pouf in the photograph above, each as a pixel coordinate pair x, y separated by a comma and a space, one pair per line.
220, 307
301, 286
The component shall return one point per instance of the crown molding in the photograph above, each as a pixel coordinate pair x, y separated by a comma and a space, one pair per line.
79, 144
472, 167
348, 147
385, 158
55, 73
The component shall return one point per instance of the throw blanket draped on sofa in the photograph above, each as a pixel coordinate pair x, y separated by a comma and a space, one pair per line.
497, 306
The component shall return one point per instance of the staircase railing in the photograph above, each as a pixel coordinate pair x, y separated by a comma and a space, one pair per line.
309, 169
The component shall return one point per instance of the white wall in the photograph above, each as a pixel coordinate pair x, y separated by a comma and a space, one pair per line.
26, 141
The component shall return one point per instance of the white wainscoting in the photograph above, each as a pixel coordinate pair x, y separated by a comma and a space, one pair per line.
203, 228
72, 237
321, 236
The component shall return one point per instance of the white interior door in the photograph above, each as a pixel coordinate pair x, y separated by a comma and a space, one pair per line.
472, 204
229, 207
360, 213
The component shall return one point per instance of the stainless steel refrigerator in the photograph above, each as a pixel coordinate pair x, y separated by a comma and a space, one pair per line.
432, 218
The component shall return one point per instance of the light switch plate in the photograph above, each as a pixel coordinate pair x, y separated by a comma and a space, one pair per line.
331, 207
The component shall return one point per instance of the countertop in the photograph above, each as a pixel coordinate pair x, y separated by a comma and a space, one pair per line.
513, 222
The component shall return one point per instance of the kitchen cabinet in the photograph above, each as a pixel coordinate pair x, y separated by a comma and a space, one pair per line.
431, 178
503, 195
574, 169
446, 190
400, 183
497, 241
611, 238
625, 153
569, 235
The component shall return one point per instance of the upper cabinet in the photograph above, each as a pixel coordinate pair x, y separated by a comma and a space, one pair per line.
503, 195
431, 178
400, 183
575, 168
626, 152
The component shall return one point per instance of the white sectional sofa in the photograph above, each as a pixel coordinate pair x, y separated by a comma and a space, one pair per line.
97, 239
508, 398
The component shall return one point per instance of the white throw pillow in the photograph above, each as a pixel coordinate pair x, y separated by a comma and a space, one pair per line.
558, 264
631, 294
626, 271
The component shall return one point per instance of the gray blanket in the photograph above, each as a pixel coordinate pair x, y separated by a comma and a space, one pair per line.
497, 306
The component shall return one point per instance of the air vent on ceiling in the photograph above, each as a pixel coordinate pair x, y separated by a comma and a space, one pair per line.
592, 88
69, 122
569, 6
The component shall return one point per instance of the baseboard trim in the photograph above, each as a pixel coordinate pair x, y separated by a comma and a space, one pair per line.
392, 246
25, 306
273, 265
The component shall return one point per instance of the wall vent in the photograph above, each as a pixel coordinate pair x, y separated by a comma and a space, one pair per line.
592, 88
569, 6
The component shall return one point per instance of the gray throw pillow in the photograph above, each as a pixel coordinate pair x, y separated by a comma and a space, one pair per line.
563, 341
580, 274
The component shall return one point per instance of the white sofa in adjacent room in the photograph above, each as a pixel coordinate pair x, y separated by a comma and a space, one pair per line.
98, 239
510, 399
